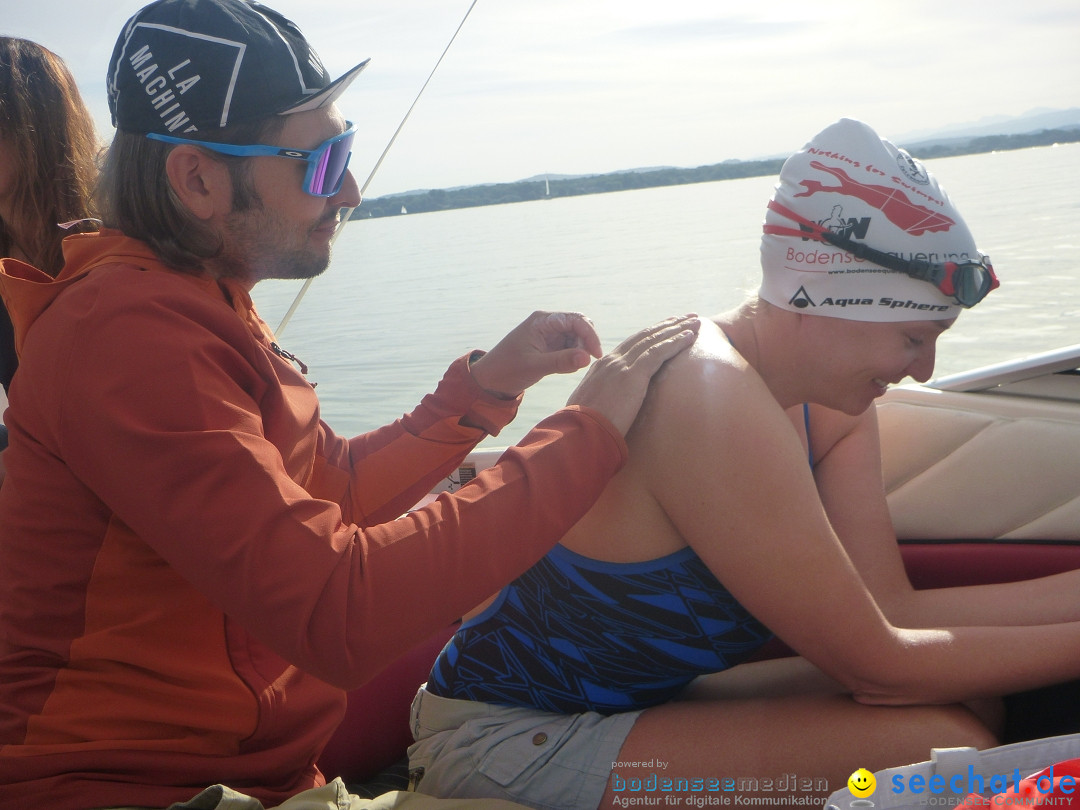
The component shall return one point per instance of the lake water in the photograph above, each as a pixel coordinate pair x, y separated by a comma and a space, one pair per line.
406, 295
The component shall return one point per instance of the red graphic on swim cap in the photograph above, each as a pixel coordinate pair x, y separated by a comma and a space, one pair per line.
893, 203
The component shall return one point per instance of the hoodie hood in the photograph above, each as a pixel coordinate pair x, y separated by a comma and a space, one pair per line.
27, 292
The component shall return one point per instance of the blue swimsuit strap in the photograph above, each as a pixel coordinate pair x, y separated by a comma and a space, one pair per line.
806, 422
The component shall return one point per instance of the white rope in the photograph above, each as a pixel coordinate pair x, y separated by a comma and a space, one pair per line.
348, 211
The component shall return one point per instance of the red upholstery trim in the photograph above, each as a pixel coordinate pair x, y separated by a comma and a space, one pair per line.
938, 565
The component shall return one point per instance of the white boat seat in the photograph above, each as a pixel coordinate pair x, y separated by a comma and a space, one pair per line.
980, 465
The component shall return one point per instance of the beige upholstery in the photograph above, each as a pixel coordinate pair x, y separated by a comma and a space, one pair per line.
980, 465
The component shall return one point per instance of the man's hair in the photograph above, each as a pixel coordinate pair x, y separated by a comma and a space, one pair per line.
54, 148
135, 196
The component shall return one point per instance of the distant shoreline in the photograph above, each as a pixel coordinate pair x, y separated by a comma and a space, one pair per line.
420, 202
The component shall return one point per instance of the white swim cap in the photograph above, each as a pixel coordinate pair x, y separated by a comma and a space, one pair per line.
855, 187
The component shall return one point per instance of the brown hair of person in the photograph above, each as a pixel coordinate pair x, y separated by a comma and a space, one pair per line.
51, 138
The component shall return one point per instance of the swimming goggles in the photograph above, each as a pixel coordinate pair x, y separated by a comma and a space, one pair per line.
327, 163
966, 282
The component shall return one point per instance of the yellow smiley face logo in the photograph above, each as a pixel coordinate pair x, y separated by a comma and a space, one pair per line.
862, 783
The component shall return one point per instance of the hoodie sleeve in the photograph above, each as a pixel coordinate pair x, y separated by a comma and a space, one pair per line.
163, 404
379, 475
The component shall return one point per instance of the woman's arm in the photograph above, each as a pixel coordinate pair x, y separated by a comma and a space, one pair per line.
730, 473
848, 477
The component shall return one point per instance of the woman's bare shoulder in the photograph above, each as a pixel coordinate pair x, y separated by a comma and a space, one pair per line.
627, 523
711, 375
709, 408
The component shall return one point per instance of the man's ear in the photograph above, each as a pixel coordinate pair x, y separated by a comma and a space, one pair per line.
200, 181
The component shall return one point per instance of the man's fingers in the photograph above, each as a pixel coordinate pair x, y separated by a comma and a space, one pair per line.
570, 360
658, 339
646, 339
586, 334
567, 330
616, 383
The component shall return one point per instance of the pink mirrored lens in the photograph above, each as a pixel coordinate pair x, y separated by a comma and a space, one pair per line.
329, 173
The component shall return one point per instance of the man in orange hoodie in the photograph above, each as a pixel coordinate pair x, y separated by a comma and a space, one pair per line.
193, 567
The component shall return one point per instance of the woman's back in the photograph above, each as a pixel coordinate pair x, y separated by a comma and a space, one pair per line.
622, 614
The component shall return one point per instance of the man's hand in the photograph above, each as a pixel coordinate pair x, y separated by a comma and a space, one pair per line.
616, 384
544, 343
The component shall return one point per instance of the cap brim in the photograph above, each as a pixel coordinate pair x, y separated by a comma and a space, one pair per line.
329, 94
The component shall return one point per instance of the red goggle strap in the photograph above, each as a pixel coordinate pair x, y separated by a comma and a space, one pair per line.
810, 230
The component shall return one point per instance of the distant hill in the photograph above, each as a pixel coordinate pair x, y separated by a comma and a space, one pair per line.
1038, 128
1031, 121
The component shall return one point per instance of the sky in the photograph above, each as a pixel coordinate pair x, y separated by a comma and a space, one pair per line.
533, 87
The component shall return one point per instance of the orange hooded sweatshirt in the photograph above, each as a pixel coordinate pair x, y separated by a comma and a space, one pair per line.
194, 568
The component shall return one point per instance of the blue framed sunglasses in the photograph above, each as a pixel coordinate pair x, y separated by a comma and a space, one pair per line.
326, 163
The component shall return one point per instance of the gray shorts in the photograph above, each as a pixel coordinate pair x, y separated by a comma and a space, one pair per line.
538, 759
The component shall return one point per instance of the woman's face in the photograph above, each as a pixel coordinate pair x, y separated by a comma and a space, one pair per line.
860, 360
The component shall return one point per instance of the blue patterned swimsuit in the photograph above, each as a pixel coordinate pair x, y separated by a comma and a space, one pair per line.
576, 634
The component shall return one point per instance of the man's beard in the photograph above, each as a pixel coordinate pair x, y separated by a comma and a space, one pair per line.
256, 250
